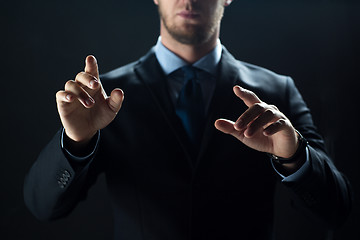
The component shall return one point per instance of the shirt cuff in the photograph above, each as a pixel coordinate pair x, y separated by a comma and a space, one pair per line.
78, 158
296, 175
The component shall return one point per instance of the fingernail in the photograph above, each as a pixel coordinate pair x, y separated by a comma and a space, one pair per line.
239, 124
89, 101
93, 83
68, 97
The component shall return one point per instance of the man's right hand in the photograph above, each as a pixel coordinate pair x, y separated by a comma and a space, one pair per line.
84, 107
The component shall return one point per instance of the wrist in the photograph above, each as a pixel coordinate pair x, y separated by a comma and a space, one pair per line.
294, 159
79, 139
290, 168
78, 148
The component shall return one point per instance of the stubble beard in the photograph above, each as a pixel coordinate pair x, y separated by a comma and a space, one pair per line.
191, 34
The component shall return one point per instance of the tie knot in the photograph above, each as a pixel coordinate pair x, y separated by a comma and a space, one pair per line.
189, 72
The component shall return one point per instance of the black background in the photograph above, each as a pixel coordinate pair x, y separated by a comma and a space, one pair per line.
44, 43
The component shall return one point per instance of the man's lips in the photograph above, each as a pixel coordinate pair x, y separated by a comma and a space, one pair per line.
188, 14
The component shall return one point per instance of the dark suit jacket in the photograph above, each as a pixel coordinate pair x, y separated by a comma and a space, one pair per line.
159, 192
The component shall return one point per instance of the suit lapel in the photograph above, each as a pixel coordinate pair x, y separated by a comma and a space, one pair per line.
148, 70
220, 107
228, 76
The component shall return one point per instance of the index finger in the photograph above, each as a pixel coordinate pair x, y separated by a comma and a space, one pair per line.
91, 66
248, 97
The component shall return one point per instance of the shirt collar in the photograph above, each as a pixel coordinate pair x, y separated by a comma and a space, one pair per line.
170, 62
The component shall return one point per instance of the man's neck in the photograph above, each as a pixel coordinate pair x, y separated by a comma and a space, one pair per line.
190, 53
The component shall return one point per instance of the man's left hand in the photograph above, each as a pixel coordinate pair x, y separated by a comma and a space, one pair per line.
261, 127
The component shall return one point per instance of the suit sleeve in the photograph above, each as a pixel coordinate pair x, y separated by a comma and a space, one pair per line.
321, 190
55, 184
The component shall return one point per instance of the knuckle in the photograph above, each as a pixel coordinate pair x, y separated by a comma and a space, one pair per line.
69, 83
281, 122
270, 112
259, 106
274, 107
273, 111
84, 77
249, 92
61, 97
79, 75
59, 94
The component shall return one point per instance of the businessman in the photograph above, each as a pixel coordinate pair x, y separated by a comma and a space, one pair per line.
195, 148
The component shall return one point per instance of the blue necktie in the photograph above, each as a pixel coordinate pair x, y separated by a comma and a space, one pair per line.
190, 106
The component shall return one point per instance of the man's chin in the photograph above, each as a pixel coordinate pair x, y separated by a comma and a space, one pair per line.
189, 39
190, 36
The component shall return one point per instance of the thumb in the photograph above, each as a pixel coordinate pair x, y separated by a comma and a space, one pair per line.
91, 66
115, 100
225, 126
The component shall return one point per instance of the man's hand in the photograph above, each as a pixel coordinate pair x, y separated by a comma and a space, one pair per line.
261, 127
84, 107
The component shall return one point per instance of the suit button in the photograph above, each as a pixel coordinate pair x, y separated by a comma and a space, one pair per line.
61, 185
64, 178
66, 174
63, 181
